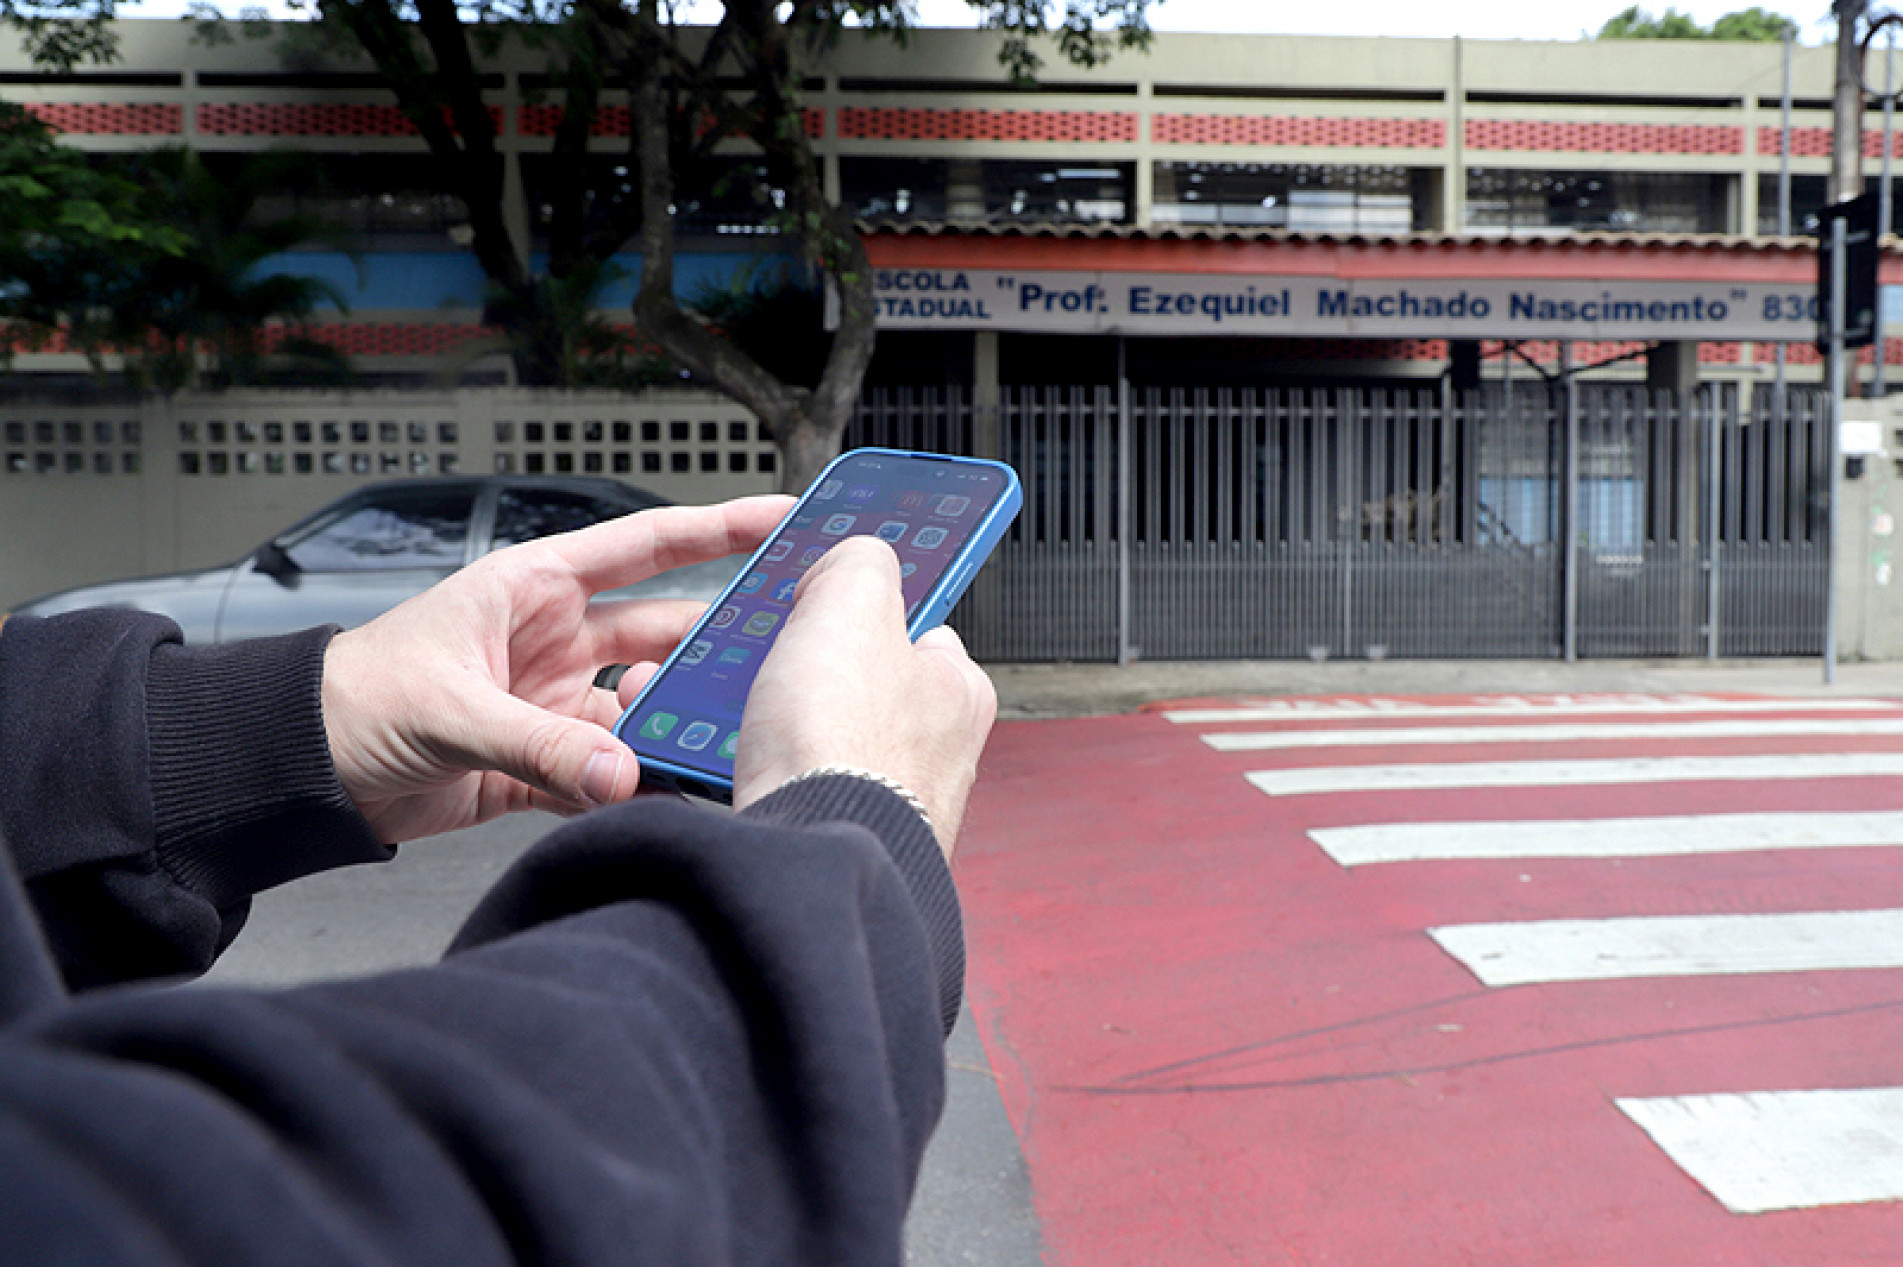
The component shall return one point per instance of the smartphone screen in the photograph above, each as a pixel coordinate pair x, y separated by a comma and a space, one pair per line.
927, 509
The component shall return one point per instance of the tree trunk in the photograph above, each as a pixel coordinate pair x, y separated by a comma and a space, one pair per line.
806, 424
805, 448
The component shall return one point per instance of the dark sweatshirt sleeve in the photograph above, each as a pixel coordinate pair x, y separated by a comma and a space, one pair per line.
148, 789
667, 1036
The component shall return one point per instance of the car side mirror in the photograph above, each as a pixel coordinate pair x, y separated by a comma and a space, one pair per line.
275, 561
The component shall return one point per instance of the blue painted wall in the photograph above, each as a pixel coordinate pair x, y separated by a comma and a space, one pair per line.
453, 279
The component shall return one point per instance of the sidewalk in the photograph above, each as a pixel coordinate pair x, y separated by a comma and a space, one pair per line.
1028, 691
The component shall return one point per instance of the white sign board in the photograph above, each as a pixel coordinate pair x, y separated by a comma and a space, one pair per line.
1055, 302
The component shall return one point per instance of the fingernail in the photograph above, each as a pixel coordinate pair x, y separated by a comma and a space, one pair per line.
599, 776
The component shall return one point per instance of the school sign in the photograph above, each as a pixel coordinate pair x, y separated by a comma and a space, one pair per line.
1147, 303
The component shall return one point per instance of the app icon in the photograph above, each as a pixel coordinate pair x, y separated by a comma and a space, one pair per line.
828, 491
724, 617
929, 538
779, 550
812, 556
838, 525
784, 594
803, 521
911, 501
892, 530
862, 493
697, 735
695, 652
753, 582
736, 655
951, 506
730, 746
905, 572
760, 624
657, 725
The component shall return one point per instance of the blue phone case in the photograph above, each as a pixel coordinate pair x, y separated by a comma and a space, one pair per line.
932, 610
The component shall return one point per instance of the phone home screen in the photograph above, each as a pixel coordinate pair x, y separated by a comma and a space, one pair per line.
926, 510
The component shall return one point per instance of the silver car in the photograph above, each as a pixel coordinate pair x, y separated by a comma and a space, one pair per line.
364, 554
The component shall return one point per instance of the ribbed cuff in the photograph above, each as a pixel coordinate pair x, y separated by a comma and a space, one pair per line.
845, 798
244, 795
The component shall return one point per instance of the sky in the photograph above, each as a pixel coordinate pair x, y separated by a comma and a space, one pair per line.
1474, 19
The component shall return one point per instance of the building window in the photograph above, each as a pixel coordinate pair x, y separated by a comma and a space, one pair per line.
1310, 198
902, 189
1504, 200
1056, 192
1807, 199
385, 201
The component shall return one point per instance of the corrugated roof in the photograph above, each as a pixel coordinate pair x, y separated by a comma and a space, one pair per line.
1702, 242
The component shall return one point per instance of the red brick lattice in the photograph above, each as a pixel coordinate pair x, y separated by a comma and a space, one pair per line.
1604, 138
618, 121
302, 119
1815, 143
879, 123
102, 119
398, 338
1252, 129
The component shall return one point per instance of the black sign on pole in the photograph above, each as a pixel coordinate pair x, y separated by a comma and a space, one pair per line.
1860, 271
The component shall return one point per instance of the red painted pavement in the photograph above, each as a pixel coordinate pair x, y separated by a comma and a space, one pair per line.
1218, 1046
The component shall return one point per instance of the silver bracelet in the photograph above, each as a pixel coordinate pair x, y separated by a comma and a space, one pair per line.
885, 781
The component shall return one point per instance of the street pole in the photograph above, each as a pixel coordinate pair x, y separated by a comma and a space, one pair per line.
1846, 139
1883, 198
1846, 182
1839, 274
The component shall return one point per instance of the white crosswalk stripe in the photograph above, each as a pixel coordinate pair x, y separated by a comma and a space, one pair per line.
1606, 837
1532, 706
1410, 736
1772, 1150
1783, 1150
1525, 953
1478, 774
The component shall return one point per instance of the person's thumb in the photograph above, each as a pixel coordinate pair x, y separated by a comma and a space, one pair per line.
573, 761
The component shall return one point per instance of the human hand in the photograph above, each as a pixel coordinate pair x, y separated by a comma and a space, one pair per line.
843, 685
477, 697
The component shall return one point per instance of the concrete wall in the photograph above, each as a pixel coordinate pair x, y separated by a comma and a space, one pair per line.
97, 493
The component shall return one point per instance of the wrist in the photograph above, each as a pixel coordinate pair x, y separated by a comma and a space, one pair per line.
885, 781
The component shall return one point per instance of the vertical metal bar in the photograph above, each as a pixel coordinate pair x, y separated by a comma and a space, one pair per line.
1123, 506
1838, 226
1712, 410
1784, 187
1569, 516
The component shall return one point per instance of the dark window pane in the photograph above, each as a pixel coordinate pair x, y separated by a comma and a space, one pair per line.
523, 514
408, 528
1514, 200
1307, 197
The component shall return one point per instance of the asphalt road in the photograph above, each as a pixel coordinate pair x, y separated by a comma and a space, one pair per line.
973, 1205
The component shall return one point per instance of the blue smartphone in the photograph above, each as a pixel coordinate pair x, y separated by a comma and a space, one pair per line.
942, 515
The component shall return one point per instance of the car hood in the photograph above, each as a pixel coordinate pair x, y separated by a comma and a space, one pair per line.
147, 593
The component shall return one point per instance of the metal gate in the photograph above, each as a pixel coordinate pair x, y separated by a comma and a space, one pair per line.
1374, 522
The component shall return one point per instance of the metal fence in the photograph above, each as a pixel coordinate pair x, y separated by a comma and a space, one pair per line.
1373, 522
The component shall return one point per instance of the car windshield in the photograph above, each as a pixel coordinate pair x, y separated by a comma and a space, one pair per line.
400, 528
